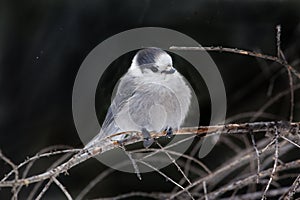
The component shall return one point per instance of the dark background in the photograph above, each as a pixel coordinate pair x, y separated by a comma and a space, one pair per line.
43, 43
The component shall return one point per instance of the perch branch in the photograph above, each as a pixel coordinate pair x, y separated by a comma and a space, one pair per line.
202, 131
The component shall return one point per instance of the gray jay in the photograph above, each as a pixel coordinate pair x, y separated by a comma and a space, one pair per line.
151, 96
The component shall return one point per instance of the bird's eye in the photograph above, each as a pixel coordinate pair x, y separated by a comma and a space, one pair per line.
154, 69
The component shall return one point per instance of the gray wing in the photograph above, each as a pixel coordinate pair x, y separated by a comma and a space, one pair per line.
125, 90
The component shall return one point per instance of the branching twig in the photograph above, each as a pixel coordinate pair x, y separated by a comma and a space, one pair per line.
238, 51
63, 189
276, 155
290, 141
257, 154
157, 195
55, 164
44, 189
256, 195
165, 176
293, 189
38, 156
174, 162
15, 170
251, 179
280, 59
135, 166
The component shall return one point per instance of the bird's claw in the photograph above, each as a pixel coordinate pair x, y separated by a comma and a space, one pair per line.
169, 132
122, 141
148, 140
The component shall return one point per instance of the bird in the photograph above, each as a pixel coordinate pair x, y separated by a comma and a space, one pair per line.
151, 96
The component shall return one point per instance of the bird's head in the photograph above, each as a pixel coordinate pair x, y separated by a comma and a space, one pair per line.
152, 62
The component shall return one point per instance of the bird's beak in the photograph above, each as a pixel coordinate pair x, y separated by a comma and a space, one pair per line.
172, 70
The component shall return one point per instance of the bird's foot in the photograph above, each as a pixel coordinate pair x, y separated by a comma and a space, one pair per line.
169, 132
121, 142
148, 140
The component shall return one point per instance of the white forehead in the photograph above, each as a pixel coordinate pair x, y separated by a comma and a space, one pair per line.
164, 59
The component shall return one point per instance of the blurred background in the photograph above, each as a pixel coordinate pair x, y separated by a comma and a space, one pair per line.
43, 43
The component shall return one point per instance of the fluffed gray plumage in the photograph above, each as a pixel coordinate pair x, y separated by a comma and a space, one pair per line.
151, 96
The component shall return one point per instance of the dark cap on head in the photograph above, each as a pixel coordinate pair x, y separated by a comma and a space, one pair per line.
148, 55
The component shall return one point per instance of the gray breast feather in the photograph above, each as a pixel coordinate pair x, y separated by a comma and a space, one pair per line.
150, 105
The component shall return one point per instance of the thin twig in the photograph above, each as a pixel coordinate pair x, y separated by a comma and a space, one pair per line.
15, 170
290, 141
135, 166
251, 179
157, 195
267, 146
38, 156
293, 189
165, 176
240, 160
235, 163
205, 190
256, 195
37, 186
206, 169
107, 172
237, 51
174, 162
278, 35
280, 59
291, 84
276, 155
63, 189
46, 187
257, 155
